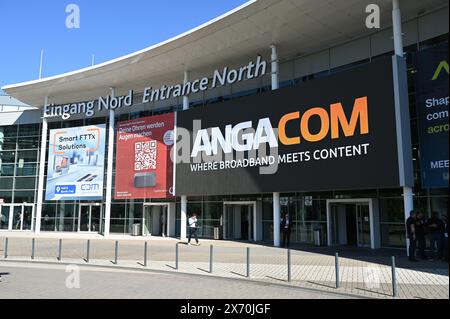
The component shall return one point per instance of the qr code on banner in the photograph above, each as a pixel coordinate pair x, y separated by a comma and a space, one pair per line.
145, 155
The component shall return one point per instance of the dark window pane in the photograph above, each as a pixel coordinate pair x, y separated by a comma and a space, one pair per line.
6, 196
25, 182
7, 144
212, 210
7, 157
28, 143
393, 235
8, 131
24, 196
6, 183
392, 210
29, 129
117, 211
48, 221
27, 156
6, 169
27, 169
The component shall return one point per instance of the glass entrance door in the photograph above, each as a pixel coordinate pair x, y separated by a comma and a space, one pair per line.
16, 217
238, 221
89, 218
349, 224
96, 214
163, 221
27, 217
363, 225
155, 219
228, 228
147, 222
334, 224
84, 218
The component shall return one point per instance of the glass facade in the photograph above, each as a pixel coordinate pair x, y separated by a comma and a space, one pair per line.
20, 147
19, 151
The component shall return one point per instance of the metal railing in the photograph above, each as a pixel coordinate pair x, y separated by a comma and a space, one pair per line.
258, 262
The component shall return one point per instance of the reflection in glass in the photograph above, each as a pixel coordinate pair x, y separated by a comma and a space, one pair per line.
95, 218
27, 217
4, 217
84, 218
17, 218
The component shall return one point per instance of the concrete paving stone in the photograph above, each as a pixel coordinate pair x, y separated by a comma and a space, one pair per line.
365, 275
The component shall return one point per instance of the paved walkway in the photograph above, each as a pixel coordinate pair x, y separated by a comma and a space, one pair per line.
362, 272
27, 281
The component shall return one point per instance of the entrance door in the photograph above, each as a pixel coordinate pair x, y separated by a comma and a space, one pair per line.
156, 220
96, 214
363, 225
238, 220
16, 217
349, 224
89, 218
27, 217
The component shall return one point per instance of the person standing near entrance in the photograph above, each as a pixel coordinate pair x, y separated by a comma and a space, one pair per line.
162, 224
436, 232
286, 229
411, 232
193, 226
420, 235
445, 241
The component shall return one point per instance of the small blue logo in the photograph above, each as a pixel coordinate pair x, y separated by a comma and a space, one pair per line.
65, 189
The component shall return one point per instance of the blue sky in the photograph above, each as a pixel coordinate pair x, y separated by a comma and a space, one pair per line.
108, 29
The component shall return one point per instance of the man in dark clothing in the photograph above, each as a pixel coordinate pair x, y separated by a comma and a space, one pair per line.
445, 245
411, 232
420, 235
436, 231
286, 229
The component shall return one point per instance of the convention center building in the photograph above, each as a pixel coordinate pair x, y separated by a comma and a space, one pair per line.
306, 108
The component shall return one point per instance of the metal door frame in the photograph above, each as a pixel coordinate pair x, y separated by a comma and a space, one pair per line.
90, 205
366, 201
241, 203
11, 217
358, 206
163, 204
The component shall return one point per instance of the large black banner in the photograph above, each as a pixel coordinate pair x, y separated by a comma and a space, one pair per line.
432, 111
334, 133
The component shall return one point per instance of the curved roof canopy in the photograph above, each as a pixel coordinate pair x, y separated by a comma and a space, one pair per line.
297, 27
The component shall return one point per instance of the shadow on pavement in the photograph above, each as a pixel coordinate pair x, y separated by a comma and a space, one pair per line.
375, 292
238, 274
380, 256
320, 284
278, 279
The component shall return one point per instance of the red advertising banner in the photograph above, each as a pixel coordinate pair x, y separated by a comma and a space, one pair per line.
143, 165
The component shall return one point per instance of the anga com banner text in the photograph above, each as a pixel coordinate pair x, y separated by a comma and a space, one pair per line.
333, 133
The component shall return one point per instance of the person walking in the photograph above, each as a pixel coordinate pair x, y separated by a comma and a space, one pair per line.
411, 232
420, 235
436, 230
193, 227
286, 229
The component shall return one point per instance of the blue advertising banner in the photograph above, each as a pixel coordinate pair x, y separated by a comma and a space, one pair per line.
76, 163
432, 100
